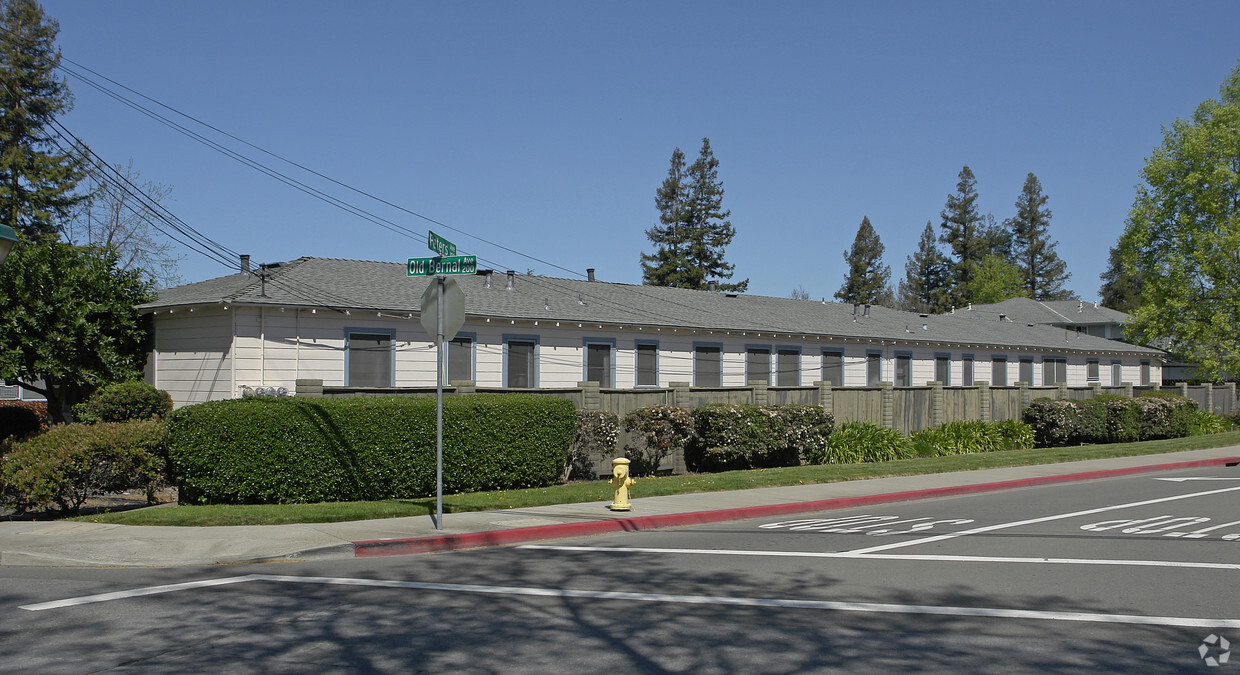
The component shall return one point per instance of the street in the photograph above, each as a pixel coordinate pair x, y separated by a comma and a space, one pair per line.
1131, 573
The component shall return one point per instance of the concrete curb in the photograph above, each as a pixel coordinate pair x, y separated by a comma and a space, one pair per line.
457, 542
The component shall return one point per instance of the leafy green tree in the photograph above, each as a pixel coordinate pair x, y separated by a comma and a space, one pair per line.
868, 280
1120, 290
38, 178
1182, 237
68, 318
1042, 272
694, 228
924, 287
962, 231
997, 279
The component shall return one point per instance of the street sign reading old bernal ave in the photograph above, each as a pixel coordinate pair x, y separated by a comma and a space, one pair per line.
447, 262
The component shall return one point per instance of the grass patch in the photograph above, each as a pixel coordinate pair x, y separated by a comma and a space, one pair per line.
280, 514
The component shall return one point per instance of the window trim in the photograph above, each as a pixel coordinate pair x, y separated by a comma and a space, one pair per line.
1117, 381
707, 345
1147, 373
769, 363
947, 381
995, 359
1097, 366
1055, 381
967, 377
514, 337
473, 356
908, 374
869, 353
636, 369
1021, 363
349, 331
788, 349
585, 359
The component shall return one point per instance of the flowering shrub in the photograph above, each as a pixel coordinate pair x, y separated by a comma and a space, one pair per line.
742, 436
1165, 415
853, 442
663, 429
1110, 419
71, 462
595, 438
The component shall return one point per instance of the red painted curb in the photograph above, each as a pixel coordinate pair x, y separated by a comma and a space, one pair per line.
455, 542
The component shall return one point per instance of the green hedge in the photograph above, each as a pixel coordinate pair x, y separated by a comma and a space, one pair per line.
1110, 419
124, 401
743, 436
271, 450
855, 442
68, 463
970, 436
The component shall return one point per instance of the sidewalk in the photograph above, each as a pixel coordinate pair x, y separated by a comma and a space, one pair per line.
76, 544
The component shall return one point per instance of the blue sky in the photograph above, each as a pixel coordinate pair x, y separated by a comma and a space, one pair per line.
546, 127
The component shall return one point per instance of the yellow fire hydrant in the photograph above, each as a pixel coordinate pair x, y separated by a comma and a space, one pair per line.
621, 481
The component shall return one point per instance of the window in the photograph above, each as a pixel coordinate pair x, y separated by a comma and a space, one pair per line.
833, 368
1054, 371
966, 370
461, 358
1117, 373
1091, 370
904, 368
1025, 372
788, 367
520, 361
873, 368
1145, 372
943, 369
599, 364
647, 364
707, 365
998, 371
369, 358
758, 365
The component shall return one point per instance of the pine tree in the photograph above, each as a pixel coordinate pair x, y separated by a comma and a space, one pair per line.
868, 280
924, 287
962, 232
38, 178
689, 246
1042, 272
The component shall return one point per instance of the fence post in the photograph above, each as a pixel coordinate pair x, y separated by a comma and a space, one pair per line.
889, 397
680, 394
1231, 397
1022, 389
1095, 388
1209, 396
1184, 389
590, 398
825, 398
1156, 385
983, 401
1061, 391
758, 391
937, 414
308, 388
1127, 389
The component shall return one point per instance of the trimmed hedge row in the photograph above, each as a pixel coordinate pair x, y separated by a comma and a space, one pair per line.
270, 450
743, 436
1110, 419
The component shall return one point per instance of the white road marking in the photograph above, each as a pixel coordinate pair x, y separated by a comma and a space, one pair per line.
1188, 478
852, 555
1043, 519
137, 592
780, 603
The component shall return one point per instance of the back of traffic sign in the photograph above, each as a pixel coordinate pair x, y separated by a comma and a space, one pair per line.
453, 308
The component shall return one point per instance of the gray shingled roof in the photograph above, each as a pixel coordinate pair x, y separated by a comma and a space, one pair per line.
357, 285
1055, 312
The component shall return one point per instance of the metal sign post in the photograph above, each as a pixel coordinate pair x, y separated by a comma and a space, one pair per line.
439, 284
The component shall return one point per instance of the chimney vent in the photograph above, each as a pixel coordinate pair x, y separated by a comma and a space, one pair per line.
486, 278
245, 264
512, 280
1003, 317
589, 274
712, 285
867, 311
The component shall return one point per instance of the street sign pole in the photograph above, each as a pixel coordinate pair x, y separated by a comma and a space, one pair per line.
439, 281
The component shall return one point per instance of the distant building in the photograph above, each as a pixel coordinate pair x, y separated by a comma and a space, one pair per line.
356, 323
1075, 315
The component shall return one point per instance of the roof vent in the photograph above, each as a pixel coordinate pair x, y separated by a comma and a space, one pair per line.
712, 285
867, 311
589, 274
245, 264
512, 280
1003, 317
486, 277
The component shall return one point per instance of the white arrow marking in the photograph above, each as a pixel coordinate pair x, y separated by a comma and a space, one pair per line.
1186, 478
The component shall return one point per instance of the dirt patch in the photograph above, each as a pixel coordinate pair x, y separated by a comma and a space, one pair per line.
112, 501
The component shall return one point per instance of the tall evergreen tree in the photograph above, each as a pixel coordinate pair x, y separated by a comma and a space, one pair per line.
924, 287
695, 230
1120, 290
962, 230
38, 178
868, 280
1042, 272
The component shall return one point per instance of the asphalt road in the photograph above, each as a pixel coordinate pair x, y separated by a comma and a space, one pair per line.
1122, 574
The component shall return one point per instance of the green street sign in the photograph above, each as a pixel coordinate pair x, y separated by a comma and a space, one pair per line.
456, 264
440, 245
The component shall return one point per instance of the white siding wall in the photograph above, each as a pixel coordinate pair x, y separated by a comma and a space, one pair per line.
193, 355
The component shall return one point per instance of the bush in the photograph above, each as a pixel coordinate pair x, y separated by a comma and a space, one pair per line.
594, 440
1205, 423
284, 450
970, 436
663, 429
1165, 415
122, 402
18, 422
1054, 423
71, 462
742, 436
853, 442
1110, 419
